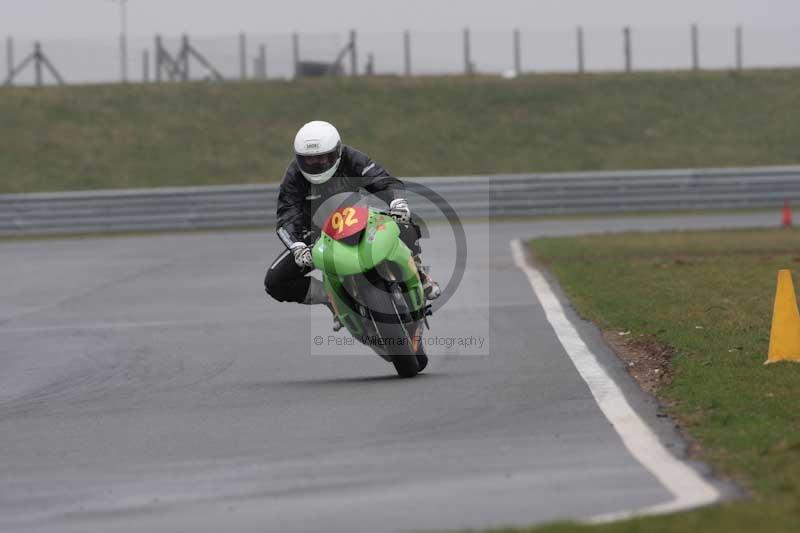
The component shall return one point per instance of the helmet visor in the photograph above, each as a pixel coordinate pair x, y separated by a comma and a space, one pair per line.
319, 163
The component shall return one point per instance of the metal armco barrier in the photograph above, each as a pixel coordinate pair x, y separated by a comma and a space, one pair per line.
479, 196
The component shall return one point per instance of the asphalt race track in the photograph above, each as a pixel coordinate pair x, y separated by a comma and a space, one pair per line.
147, 384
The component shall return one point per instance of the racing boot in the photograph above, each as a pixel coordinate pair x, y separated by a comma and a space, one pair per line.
429, 285
316, 295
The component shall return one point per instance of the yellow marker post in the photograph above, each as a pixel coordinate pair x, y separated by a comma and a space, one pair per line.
784, 339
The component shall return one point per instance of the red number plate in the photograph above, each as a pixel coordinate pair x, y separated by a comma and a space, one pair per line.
346, 222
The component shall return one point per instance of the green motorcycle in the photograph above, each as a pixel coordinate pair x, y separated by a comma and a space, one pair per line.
373, 284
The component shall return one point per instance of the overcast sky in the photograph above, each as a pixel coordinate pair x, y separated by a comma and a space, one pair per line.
47, 19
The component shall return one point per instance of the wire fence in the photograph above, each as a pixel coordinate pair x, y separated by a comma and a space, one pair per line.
511, 52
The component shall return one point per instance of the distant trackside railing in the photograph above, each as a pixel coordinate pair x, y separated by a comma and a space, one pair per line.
245, 206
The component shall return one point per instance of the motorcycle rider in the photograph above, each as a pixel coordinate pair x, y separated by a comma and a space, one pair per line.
323, 167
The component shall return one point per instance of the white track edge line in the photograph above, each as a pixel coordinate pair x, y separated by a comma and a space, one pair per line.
688, 488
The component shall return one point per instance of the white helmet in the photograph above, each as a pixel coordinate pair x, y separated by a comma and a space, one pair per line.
318, 149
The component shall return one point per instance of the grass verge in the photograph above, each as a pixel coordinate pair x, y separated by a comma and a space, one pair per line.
122, 136
708, 296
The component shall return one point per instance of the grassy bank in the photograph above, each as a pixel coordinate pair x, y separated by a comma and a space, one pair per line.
709, 296
181, 134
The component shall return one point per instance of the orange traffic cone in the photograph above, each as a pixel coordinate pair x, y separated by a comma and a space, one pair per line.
784, 339
786, 219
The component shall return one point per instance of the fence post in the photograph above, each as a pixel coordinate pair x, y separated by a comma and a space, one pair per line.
296, 55
581, 52
123, 53
123, 40
353, 54
407, 51
242, 56
695, 48
467, 53
158, 59
145, 66
37, 54
739, 48
185, 58
517, 52
628, 50
9, 56
370, 68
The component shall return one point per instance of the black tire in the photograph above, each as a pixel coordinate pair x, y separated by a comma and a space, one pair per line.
391, 329
422, 359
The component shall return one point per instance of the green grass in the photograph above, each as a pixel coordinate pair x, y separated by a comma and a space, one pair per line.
87, 137
709, 295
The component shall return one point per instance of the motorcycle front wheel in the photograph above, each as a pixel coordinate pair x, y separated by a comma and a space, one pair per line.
387, 307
